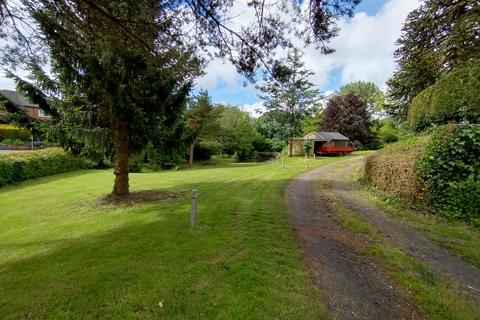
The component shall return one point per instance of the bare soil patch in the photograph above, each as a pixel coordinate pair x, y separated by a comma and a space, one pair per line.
142, 197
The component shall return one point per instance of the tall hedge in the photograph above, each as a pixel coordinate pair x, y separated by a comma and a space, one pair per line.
20, 166
456, 97
13, 133
450, 169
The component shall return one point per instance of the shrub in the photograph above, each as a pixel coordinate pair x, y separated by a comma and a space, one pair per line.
135, 162
16, 167
456, 97
13, 141
13, 133
307, 147
388, 132
450, 167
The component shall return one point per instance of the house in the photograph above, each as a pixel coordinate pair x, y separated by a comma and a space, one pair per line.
31, 109
323, 143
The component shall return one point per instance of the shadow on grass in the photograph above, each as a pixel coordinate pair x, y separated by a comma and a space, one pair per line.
125, 272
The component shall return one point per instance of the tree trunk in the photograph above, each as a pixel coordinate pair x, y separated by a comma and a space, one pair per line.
290, 148
121, 187
190, 157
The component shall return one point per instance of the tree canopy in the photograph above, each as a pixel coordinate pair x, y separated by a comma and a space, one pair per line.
367, 91
436, 38
348, 115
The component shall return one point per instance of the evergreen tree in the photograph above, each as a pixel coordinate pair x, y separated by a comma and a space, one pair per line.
438, 36
122, 69
289, 93
201, 120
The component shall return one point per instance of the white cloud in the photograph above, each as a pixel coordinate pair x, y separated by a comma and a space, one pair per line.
364, 46
255, 109
364, 49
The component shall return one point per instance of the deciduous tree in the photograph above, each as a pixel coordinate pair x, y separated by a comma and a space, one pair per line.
348, 115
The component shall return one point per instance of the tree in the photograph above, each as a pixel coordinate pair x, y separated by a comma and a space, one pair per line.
201, 119
437, 37
109, 92
237, 131
289, 93
368, 92
121, 70
348, 115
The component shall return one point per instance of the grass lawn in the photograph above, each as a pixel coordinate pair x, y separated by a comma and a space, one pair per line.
64, 255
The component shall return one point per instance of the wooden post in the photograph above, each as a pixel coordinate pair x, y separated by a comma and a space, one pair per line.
283, 162
193, 215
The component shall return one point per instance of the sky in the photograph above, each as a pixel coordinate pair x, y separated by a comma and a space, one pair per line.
364, 51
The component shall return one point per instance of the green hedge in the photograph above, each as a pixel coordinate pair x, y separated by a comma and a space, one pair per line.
456, 97
8, 132
20, 166
450, 168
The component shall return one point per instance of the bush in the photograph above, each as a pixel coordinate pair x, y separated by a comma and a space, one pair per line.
163, 159
13, 141
388, 132
135, 162
450, 167
16, 167
456, 97
307, 147
13, 133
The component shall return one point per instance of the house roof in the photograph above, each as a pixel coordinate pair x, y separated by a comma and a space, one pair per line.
17, 98
325, 136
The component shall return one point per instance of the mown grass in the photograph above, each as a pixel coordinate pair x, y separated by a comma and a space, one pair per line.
64, 255
435, 297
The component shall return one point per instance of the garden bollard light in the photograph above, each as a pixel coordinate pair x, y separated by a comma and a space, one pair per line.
193, 215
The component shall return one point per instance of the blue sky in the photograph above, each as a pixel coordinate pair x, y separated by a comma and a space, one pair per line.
364, 51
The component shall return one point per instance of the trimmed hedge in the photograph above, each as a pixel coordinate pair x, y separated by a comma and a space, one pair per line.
393, 170
450, 167
8, 132
20, 166
456, 97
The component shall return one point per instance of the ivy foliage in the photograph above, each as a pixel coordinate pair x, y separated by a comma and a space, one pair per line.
450, 168
456, 97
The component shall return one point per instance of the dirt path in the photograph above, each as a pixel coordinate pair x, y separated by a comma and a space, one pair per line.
404, 237
354, 284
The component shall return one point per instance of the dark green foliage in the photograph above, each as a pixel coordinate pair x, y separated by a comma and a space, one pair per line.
307, 147
16, 167
202, 152
437, 37
135, 162
349, 115
169, 155
456, 97
13, 133
450, 168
